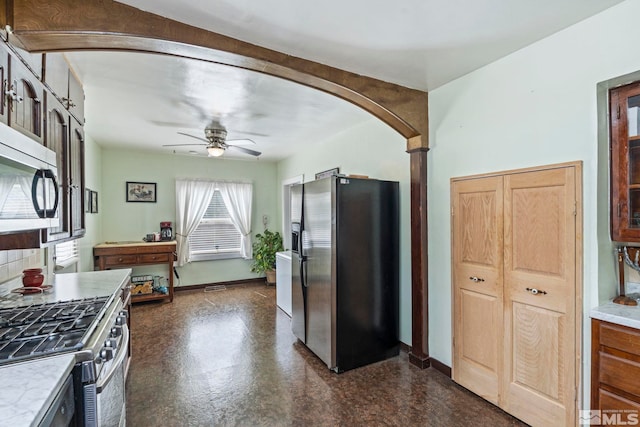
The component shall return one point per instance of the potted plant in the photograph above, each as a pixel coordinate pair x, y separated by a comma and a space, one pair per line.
265, 247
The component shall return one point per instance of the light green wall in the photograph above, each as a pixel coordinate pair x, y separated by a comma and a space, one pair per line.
372, 149
537, 106
122, 221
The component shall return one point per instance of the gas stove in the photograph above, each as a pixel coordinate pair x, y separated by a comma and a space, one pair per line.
44, 329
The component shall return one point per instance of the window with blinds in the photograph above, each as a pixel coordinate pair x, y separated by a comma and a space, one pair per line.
215, 237
66, 254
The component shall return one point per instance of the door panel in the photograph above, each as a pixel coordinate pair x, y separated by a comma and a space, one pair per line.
540, 295
477, 284
57, 139
317, 247
76, 178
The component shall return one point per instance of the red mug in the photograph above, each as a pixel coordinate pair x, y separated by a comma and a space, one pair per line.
33, 280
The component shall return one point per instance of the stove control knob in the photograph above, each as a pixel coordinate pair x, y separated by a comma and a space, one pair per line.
116, 331
111, 343
124, 313
106, 354
121, 320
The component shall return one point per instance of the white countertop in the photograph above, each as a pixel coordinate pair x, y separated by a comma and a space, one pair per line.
28, 388
625, 315
70, 286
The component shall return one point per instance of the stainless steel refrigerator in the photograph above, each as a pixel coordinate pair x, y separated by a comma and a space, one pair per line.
345, 269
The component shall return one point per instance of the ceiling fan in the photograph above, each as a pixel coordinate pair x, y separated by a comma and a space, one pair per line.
216, 142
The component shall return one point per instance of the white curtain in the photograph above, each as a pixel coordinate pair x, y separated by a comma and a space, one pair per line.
192, 199
237, 198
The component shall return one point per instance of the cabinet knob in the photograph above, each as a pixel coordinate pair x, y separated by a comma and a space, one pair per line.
69, 102
535, 291
476, 279
13, 95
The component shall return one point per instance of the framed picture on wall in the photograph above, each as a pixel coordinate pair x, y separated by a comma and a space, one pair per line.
87, 200
94, 202
141, 191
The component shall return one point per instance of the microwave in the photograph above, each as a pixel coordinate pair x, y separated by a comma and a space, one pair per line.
29, 189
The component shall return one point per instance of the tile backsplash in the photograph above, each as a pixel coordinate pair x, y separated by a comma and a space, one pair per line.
14, 261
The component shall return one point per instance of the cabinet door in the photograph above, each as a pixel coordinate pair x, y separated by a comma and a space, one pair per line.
477, 285
625, 163
4, 82
76, 98
25, 100
540, 296
57, 139
76, 178
56, 75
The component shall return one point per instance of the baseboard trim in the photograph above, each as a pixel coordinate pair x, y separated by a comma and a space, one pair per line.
254, 281
441, 367
427, 362
420, 362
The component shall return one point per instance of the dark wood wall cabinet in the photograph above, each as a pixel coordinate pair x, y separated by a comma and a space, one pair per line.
625, 163
43, 99
615, 369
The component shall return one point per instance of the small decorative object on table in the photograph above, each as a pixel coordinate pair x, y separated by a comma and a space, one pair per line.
623, 256
141, 285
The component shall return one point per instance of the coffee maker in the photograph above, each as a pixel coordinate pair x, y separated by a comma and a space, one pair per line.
166, 233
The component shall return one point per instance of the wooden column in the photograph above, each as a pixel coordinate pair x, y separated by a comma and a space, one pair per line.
419, 355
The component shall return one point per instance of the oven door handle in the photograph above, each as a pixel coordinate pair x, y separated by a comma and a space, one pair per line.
124, 345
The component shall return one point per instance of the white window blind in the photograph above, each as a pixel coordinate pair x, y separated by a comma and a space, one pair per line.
66, 253
215, 236
18, 204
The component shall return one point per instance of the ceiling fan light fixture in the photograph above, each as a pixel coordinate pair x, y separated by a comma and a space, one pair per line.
215, 151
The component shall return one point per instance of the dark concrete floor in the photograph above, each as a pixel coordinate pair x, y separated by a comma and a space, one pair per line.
228, 358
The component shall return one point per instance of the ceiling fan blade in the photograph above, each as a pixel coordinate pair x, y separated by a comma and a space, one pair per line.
183, 124
245, 150
251, 141
196, 137
182, 145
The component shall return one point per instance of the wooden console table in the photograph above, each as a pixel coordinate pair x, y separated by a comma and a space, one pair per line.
110, 255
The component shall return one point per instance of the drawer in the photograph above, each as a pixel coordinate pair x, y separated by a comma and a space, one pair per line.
115, 251
611, 401
620, 373
120, 260
155, 248
153, 258
620, 337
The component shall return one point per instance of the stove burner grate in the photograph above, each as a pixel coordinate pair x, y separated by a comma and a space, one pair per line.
41, 329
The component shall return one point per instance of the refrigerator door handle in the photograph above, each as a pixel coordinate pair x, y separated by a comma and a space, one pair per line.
303, 240
303, 270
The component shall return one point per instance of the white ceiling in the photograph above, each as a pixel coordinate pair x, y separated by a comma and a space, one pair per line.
142, 101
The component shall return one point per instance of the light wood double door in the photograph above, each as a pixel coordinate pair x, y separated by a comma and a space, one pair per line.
516, 248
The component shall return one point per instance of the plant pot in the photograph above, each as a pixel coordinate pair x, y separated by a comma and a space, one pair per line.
271, 276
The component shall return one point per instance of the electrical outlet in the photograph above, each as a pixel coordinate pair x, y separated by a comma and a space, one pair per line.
265, 220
